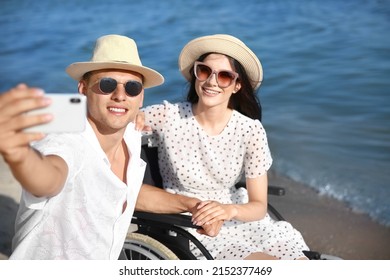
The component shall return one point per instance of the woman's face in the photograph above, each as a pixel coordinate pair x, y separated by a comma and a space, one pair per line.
209, 92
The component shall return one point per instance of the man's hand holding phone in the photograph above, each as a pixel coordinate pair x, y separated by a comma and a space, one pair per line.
26, 114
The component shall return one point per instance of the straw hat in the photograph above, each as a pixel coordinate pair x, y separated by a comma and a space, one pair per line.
224, 44
116, 52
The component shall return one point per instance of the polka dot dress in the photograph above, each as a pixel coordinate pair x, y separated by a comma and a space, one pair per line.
195, 164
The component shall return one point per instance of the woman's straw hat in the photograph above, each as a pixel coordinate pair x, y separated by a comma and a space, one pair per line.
116, 52
223, 44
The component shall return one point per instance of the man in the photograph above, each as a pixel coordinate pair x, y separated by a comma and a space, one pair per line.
80, 189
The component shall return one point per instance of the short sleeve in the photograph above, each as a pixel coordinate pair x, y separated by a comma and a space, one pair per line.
155, 117
55, 144
258, 156
52, 144
33, 202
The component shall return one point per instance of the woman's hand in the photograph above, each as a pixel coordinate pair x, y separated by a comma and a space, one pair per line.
140, 123
209, 212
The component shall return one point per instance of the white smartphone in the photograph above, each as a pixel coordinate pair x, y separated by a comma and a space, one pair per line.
69, 113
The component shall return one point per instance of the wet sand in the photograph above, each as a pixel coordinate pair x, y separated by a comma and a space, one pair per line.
330, 226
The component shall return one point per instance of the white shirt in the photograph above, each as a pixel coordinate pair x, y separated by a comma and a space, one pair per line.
85, 220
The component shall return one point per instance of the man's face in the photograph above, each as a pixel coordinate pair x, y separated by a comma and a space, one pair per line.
111, 112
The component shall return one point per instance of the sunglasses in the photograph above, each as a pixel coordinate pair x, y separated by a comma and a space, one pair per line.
108, 85
224, 77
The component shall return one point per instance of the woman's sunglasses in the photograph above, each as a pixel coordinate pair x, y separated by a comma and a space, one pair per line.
108, 85
224, 77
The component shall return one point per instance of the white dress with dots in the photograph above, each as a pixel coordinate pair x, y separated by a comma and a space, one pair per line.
195, 164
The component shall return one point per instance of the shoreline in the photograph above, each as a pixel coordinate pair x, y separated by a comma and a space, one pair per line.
327, 225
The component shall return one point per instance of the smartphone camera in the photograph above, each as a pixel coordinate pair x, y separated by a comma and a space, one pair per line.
75, 100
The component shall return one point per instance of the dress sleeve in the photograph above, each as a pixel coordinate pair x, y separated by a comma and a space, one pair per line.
258, 156
155, 117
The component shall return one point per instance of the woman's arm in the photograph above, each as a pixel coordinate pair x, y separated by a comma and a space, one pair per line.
256, 208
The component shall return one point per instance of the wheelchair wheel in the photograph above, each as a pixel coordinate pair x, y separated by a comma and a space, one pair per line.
142, 247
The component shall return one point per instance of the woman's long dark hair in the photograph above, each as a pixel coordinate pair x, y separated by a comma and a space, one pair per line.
244, 101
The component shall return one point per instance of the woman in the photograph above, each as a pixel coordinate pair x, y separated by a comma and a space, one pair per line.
207, 143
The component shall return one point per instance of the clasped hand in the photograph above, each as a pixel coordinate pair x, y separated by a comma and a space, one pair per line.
210, 215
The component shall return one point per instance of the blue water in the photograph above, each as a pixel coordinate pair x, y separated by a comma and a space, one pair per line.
327, 73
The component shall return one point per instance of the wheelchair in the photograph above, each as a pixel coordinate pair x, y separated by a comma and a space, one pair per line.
164, 236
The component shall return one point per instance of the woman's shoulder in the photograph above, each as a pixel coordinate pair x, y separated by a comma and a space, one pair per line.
183, 109
167, 105
245, 121
178, 105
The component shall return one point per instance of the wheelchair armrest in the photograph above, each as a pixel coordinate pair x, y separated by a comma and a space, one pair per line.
272, 190
172, 219
275, 190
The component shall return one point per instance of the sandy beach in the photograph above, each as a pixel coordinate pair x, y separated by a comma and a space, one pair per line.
328, 226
